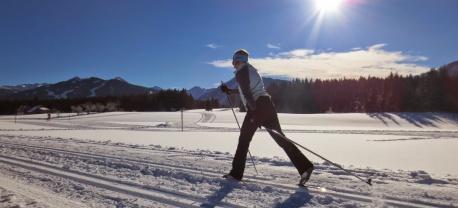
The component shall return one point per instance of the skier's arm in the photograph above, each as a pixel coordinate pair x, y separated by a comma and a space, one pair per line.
243, 79
225, 89
234, 91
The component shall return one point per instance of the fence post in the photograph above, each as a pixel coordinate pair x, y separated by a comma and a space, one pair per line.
182, 109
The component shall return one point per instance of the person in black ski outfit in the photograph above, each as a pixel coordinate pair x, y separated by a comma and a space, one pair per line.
260, 112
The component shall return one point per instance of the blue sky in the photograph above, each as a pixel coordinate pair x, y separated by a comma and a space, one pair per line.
184, 43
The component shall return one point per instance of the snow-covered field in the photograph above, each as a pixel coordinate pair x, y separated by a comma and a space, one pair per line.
130, 159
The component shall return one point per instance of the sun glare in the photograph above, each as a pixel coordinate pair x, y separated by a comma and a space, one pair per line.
327, 5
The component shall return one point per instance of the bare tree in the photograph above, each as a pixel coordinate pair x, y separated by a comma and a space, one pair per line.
89, 107
77, 109
99, 107
111, 106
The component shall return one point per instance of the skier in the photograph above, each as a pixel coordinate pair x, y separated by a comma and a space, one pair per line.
260, 112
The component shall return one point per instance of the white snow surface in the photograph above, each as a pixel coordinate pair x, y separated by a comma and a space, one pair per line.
93, 94
132, 159
60, 96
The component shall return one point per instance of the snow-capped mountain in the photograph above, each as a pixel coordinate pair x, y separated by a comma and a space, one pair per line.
198, 91
120, 79
4, 90
80, 87
453, 68
235, 99
155, 89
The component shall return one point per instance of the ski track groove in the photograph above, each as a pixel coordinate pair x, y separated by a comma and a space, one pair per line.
344, 194
37, 193
207, 117
164, 196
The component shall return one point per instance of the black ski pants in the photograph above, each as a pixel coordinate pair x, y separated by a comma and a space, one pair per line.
268, 119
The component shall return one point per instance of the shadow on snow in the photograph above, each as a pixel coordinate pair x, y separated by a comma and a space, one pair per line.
419, 120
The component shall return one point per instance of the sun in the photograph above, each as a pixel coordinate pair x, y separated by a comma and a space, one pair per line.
328, 5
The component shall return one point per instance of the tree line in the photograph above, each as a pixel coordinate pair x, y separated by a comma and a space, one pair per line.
435, 91
165, 100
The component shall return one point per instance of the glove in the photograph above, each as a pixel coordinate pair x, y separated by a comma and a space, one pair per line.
256, 118
225, 89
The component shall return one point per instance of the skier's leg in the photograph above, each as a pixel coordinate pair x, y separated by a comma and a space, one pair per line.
246, 134
298, 159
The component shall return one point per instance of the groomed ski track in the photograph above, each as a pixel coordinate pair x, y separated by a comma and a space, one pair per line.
170, 197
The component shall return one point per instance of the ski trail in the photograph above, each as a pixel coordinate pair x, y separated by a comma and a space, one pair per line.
134, 189
25, 190
207, 117
150, 193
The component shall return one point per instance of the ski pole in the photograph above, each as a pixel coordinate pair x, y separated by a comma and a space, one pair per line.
368, 181
230, 103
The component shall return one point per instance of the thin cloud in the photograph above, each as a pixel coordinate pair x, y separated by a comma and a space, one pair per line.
271, 46
305, 63
295, 53
212, 46
222, 63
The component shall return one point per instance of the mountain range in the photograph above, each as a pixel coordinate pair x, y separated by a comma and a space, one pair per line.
93, 87
206, 94
453, 68
4, 90
74, 88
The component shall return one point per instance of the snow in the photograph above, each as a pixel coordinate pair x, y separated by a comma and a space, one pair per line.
93, 94
63, 95
120, 79
133, 159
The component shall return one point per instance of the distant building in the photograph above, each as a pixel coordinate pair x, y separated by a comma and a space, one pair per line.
21, 110
39, 109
